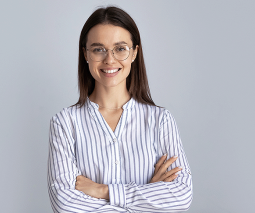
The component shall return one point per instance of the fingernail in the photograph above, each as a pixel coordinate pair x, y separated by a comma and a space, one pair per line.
180, 167
165, 154
175, 156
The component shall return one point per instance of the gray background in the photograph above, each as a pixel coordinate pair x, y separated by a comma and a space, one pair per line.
200, 62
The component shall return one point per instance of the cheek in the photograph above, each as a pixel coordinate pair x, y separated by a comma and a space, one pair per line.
127, 67
93, 70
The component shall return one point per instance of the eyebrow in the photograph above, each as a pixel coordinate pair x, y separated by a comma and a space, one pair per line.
101, 45
120, 42
96, 45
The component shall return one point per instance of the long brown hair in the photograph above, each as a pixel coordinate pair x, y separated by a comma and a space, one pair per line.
137, 82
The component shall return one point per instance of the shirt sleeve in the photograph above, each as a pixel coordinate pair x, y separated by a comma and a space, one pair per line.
175, 196
62, 172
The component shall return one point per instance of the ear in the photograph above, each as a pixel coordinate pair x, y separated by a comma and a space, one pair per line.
135, 53
85, 53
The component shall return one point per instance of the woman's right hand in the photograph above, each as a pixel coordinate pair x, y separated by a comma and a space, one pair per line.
161, 174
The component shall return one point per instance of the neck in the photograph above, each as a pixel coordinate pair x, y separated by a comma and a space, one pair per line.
110, 97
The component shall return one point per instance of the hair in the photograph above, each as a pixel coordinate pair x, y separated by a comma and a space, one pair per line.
136, 82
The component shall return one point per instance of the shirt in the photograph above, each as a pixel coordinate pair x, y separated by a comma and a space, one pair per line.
82, 143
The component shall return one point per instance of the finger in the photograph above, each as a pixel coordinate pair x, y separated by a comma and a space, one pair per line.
171, 178
170, 161
171, 172
165, 166
78, 177
160, 163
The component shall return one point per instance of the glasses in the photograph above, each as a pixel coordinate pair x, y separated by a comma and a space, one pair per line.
120, 52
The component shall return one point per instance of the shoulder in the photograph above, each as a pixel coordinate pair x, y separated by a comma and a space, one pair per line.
161, 114
66, 116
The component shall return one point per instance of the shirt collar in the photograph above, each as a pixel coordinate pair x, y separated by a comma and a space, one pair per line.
127, 105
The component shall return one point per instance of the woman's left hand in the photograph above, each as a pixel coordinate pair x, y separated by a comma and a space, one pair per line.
91, 188
161, 173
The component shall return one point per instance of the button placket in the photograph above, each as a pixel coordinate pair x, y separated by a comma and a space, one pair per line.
117, 159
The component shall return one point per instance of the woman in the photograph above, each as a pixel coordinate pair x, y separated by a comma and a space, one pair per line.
115, 150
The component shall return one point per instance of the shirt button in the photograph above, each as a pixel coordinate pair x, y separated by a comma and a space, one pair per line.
115, 140
116, 162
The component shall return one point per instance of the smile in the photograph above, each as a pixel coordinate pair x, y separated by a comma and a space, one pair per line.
110, 71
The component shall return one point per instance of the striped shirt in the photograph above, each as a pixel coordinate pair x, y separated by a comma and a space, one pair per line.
82, 143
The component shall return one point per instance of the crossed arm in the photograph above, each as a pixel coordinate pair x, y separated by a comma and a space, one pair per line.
97, 190
71, 192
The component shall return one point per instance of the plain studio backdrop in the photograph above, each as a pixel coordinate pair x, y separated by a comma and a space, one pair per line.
200, 62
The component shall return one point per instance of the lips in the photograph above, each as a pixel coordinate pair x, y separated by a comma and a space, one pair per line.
110, 71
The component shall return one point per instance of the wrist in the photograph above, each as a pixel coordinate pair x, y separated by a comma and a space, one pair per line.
105, 191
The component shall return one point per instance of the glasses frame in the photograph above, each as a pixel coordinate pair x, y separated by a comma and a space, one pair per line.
106, 50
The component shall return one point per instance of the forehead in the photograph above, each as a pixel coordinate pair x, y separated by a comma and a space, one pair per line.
108, 35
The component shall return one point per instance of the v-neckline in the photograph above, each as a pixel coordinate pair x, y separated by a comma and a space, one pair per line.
108, 130
106, 127
118, 122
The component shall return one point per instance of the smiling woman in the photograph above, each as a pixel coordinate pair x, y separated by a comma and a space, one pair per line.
109, 68
115, 150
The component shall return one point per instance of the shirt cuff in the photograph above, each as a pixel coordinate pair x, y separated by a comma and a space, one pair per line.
117, 195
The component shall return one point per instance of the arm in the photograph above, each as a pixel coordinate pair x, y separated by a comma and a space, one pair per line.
160, 196
62, 173
97, 190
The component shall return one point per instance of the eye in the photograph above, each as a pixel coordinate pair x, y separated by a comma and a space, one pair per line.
98, 50
120, 48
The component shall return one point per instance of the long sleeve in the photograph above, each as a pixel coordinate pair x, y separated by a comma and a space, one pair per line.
62, 173
161, 196
81, 143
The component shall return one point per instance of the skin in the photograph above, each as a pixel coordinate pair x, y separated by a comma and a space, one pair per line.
160, 172
111, 92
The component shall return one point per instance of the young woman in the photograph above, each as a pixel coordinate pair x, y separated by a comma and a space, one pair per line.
115, 150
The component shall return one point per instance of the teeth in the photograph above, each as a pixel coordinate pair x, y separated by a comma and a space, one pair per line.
110, 71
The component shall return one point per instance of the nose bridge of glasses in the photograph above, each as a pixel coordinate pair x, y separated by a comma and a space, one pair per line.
107, 54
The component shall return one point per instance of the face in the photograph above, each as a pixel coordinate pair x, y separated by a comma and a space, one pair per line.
109, 72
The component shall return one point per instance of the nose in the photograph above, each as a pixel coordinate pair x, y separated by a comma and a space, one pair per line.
109, 58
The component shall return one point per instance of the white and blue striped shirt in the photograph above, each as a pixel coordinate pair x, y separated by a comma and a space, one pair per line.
82, 143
